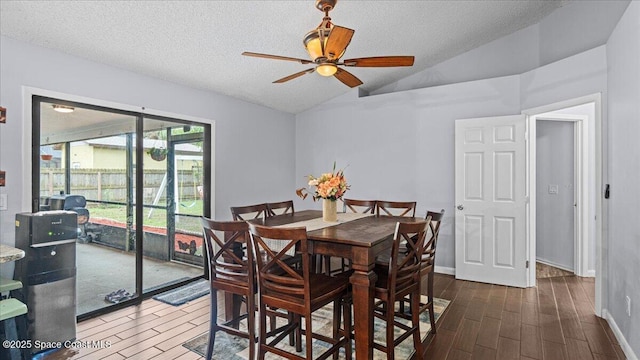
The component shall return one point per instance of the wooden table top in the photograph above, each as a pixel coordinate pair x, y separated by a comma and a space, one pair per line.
364, 232
9, 253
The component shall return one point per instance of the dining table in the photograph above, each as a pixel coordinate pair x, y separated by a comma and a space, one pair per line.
357, 237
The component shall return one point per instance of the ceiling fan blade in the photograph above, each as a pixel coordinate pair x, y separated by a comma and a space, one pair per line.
277, 57
380, 61
339, 39
291, 77
347, 78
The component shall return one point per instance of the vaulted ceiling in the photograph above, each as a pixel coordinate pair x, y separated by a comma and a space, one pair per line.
199, 43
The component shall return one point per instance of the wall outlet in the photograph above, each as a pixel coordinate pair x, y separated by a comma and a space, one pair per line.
628, 299
553, 189
3, 202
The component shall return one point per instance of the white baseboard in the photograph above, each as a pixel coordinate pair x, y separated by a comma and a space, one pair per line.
445, 270
551, 263
628, 352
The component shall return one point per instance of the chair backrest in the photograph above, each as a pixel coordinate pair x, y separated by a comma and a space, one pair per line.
258, 211
360, 206
396, 208
405, 262
429, 249
278, 278
227, 260
286, 205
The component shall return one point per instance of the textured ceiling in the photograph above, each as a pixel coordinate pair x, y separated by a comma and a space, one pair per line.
198, 43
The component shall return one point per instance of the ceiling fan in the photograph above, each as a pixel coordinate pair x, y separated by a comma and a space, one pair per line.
326, 44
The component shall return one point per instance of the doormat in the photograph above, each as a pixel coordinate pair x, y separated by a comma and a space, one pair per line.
231, 347
184, 293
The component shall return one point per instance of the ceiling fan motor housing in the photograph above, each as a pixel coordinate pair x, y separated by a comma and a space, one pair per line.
325, 5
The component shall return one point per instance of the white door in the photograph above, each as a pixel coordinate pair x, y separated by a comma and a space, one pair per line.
490, 200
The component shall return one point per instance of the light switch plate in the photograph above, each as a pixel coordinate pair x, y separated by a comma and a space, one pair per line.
3, 202
553, 189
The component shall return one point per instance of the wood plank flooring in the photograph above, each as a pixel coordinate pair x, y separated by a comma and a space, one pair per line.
553, 321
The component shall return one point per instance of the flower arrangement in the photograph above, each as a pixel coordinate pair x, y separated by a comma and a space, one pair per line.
330, 186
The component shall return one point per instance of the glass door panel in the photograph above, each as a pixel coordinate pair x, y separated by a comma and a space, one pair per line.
84, 168
163, 165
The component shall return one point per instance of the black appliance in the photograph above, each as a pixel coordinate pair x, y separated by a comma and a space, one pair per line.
75, 203
48, 273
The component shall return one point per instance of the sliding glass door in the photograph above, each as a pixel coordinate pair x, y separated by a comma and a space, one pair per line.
139, 186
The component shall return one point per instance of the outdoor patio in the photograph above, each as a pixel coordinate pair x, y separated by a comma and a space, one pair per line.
102, 270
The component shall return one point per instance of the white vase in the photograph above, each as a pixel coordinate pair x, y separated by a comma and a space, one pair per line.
329, 210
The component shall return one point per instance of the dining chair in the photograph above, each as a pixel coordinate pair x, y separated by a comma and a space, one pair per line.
360, 206
231, 269
396, 208
299, 291
249, 212
398, 279
427, 268
283, 207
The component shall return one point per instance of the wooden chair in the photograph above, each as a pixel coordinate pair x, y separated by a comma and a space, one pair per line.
428, 265
360, 206
286, 205
401, 278
396, 208
429, 262
298, 291
249, 212
231, 269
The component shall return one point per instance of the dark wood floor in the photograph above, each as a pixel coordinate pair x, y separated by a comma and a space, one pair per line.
553, 321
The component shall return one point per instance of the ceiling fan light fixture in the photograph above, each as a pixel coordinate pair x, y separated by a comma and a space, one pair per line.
327, 69
63, 108
315, 42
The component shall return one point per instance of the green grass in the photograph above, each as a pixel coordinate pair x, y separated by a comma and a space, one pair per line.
158, 216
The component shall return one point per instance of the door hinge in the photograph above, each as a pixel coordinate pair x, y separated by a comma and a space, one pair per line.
527, 264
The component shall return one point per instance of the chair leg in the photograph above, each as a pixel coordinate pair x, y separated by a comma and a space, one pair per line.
309, 336
298, 332
336, 323
251, 327
262, 339
390, 330
432, 317
213, 323
415, 322
346, 310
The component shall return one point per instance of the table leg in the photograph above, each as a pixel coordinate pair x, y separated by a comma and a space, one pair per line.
232, 304
362, 285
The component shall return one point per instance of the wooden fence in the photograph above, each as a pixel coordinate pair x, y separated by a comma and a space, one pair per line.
111, 184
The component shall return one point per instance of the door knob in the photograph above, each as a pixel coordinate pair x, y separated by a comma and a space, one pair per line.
460, 207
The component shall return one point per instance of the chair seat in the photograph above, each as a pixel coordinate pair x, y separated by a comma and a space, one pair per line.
323, 288
10, 308
7, 285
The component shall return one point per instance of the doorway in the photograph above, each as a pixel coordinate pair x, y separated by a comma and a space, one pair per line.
555, 198
585, 113
123, 164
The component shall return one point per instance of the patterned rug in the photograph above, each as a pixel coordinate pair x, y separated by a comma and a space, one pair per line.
231, 347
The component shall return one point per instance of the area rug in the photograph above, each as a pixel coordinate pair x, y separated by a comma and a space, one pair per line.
230, 347
184, 293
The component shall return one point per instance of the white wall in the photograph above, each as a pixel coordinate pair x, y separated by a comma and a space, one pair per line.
399, 146
623, 54
554, 210
254, 145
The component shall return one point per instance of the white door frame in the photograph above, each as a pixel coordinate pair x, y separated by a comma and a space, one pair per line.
582, 147
581, 181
